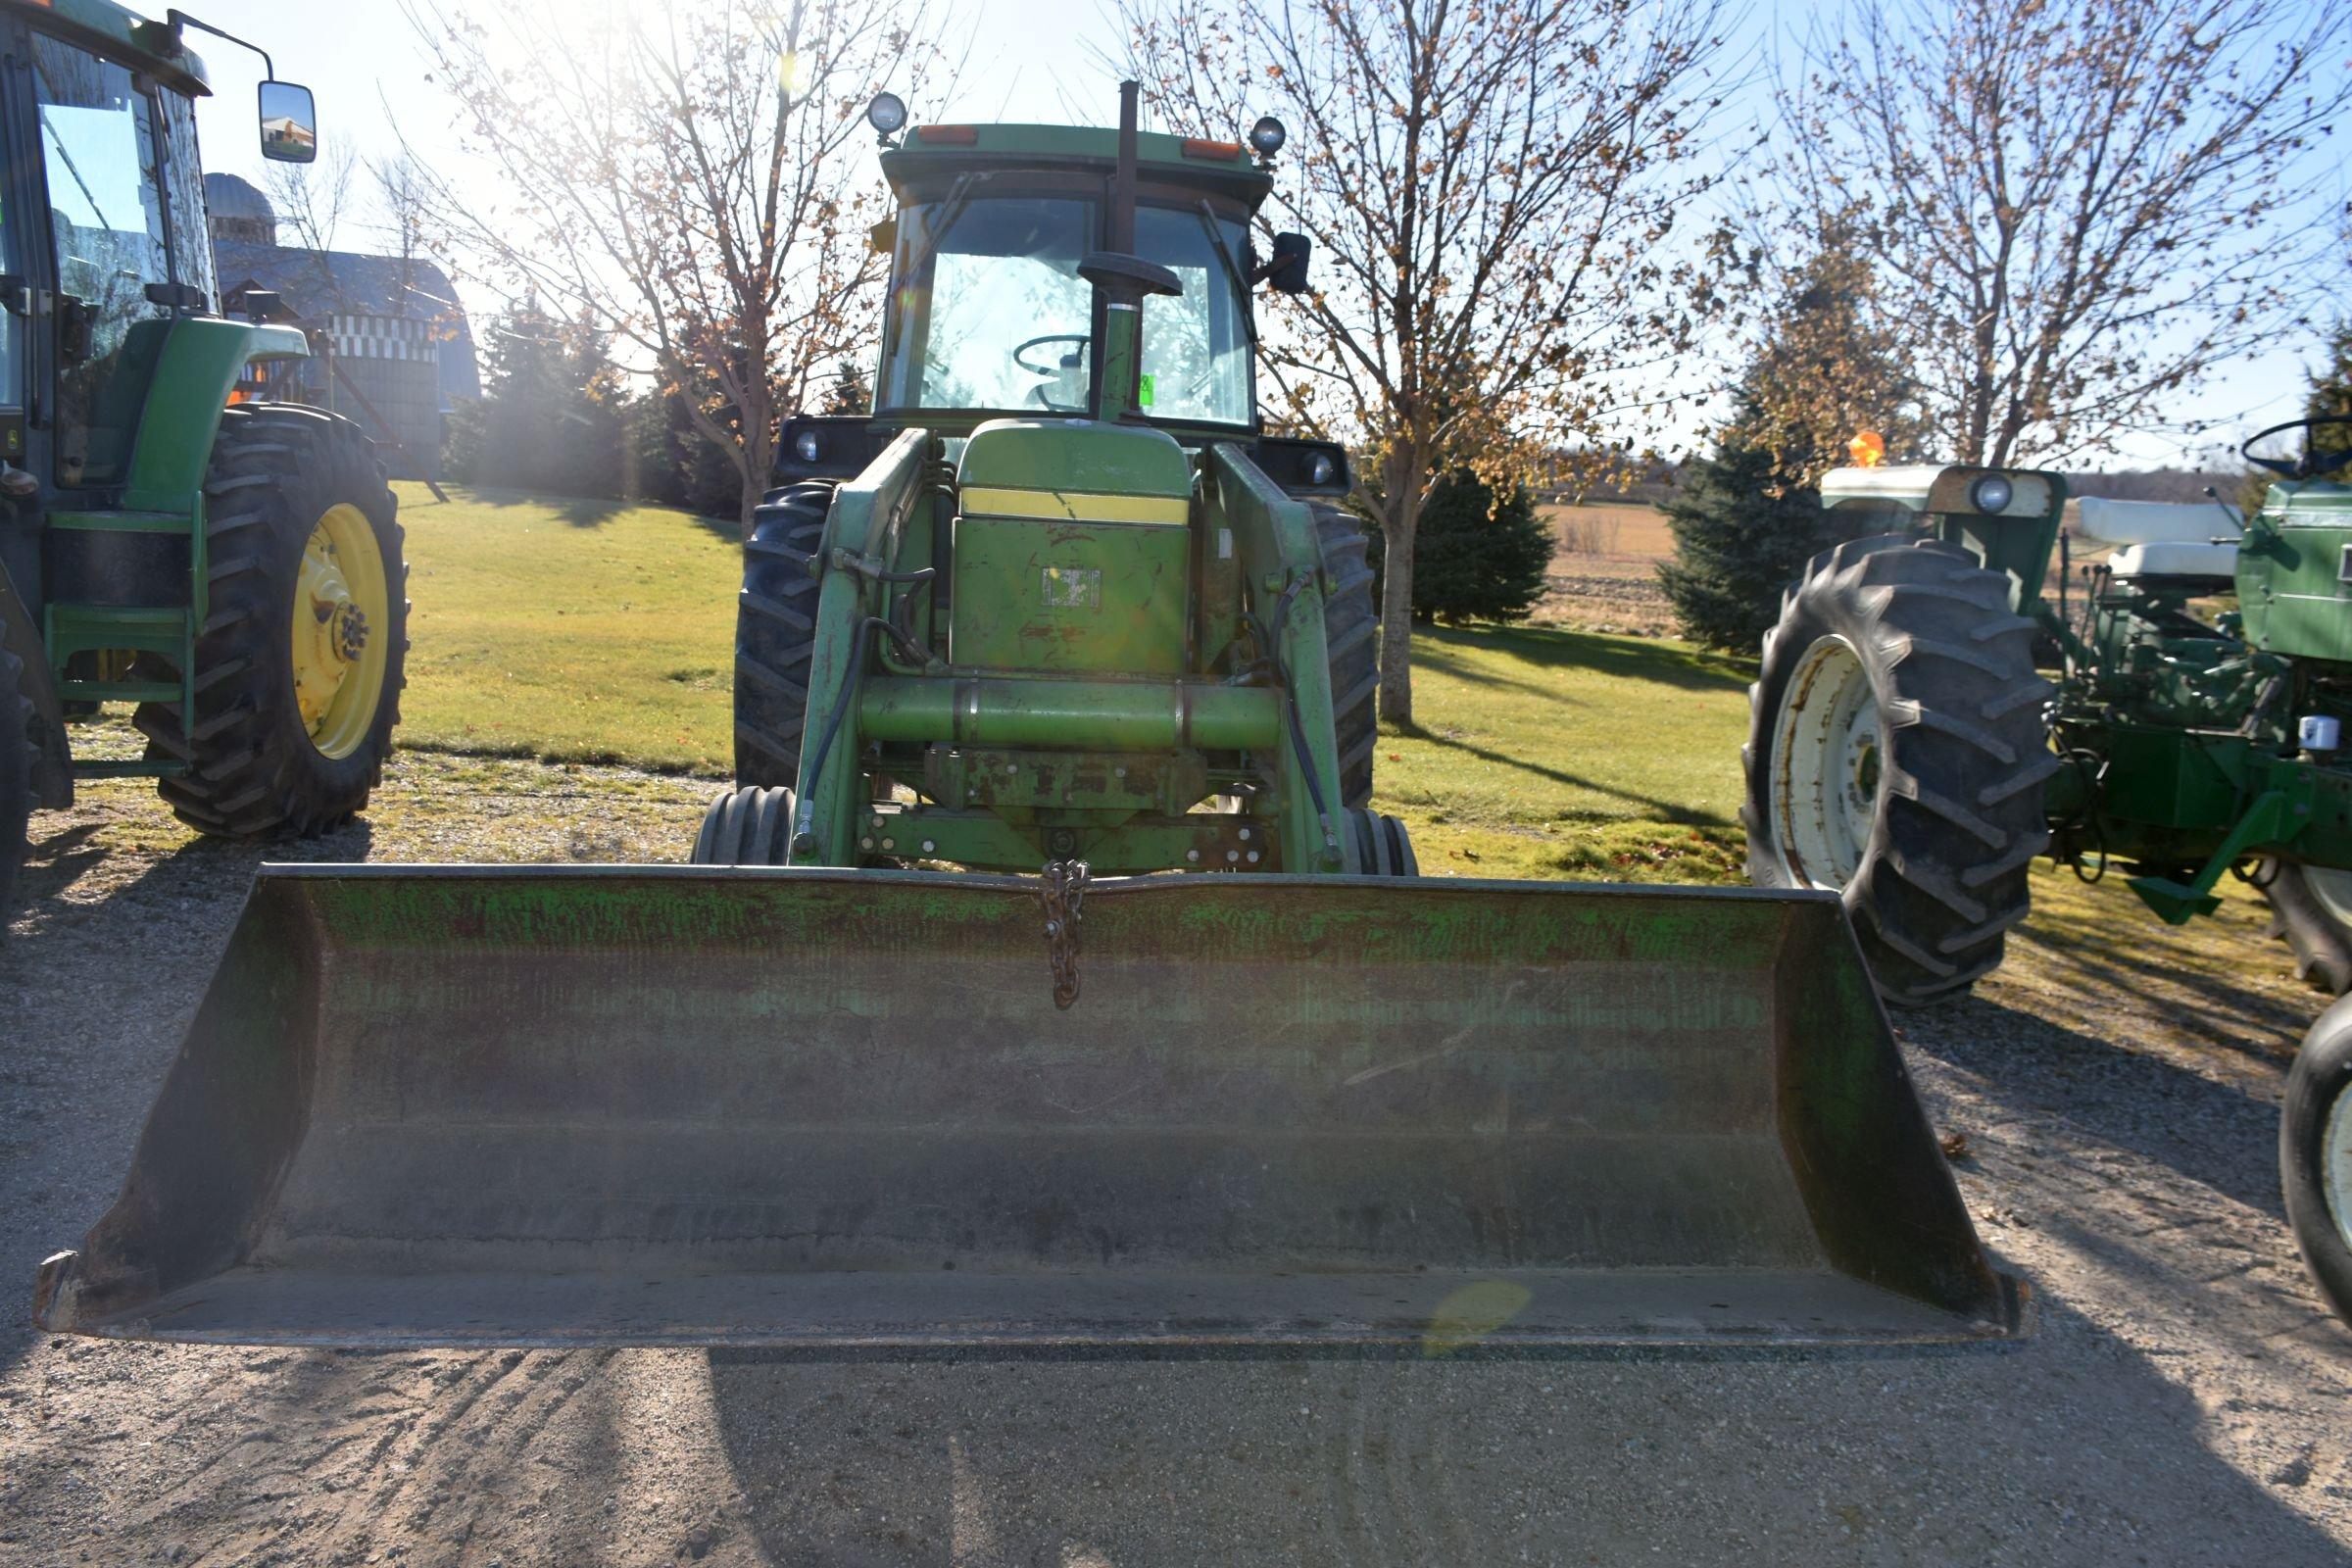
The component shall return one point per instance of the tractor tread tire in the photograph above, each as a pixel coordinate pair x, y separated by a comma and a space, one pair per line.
16, 779
2316, 1085
1350, 637
1383, 845
252, 771
2320, 943
1965, 750
776, 633
748, 826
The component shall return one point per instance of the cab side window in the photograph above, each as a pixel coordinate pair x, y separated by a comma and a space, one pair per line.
106, 218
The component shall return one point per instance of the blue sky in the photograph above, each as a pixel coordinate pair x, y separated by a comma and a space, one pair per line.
362, 57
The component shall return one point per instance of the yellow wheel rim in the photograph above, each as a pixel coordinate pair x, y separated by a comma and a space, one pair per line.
342, 626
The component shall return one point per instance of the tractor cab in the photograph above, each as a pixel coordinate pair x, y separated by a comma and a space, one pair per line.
989, 310
993, 313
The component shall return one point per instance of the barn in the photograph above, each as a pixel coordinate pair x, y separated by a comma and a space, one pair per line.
392, 346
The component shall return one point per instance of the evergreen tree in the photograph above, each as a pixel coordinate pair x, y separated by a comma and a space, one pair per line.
1741, 533
554, 409
848, 394
1746, 519
1475, 559
2331, 391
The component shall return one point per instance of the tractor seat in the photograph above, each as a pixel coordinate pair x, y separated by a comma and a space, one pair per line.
2162, 538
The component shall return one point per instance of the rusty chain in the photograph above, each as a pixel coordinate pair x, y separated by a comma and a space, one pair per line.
1063, 893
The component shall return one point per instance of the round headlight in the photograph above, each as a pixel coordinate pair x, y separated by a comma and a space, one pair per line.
1267, 136
886, 114
809, 446
1320, 469
1990, 493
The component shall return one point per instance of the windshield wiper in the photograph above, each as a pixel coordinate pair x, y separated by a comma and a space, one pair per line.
959, 197
1216, 242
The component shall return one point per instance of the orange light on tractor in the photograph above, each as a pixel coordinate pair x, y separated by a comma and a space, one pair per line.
1868, 448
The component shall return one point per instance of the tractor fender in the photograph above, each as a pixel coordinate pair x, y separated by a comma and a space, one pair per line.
201, 363
51, 761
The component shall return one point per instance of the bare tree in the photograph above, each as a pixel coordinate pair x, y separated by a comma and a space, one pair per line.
311, 200
1490, 185
1829, 357
683, 179
404, 193
2077, 208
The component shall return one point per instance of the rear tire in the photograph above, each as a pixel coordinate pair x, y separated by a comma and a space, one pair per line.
2310, 909
776, 633
1351, 638
2314, 1154
16, 779
745, 827
1897, 755
281, 474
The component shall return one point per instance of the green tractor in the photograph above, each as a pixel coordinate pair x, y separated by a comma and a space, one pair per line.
1064, 588
849, 1085
1906, 753
229, 566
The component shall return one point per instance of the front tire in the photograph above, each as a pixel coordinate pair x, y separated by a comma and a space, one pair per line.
2311, 909
1383, 847
776, 633
1351, 640
749, 826
2314, 1154
1896, 755
302, 654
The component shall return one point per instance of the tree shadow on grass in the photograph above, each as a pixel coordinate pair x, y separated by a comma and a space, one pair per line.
1545, 647
1667, 812
2208, 1007
581, 511
594, 512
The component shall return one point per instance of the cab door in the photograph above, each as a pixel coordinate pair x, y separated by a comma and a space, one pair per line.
99, 126
24, 270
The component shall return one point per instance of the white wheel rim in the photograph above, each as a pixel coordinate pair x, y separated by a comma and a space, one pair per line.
2332, 891
1826, 769
2335, 1165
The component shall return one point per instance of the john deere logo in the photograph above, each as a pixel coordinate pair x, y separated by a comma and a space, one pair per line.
1073, 588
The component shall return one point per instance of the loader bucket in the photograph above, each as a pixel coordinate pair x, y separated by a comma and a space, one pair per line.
837, 1112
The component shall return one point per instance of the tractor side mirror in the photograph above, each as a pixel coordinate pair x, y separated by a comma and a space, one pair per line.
289, 123
1285, 274
882, 238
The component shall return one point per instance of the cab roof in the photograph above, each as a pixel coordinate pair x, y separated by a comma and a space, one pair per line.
930, 156
118, 30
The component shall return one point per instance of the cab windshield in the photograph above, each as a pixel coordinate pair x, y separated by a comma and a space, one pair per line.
992, 316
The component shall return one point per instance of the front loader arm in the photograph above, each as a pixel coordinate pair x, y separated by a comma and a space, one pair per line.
862, 531
1281, 571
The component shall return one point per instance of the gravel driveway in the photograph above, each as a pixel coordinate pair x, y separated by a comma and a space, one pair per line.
2185, 1401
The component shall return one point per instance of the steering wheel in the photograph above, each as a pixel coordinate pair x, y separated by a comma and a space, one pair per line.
1020, 349
1053, 372
2313, 462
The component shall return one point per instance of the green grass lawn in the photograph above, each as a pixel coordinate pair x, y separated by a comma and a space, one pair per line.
592, 631
569, 630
